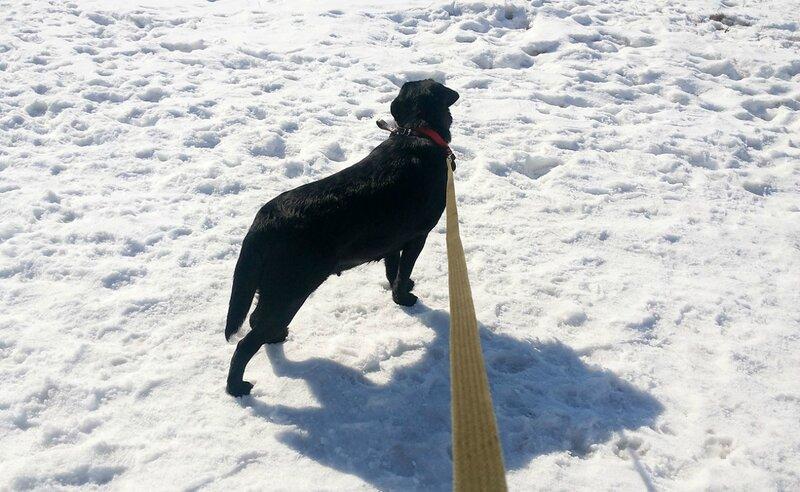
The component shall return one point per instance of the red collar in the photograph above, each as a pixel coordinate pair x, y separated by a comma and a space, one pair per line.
433, 135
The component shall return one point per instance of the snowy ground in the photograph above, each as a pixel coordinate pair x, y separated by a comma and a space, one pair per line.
630, 195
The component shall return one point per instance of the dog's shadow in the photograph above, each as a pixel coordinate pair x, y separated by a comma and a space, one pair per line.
397, 435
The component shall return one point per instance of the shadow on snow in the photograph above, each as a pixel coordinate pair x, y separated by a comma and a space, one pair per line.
397, 435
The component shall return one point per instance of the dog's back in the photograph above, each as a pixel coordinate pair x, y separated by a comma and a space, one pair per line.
389, 196
341, 221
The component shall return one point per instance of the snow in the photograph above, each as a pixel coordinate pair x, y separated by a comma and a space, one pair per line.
629, 190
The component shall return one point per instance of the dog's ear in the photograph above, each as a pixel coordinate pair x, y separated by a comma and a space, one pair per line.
446, 94
418, 98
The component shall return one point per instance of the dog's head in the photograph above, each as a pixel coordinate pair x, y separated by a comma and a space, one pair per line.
425, 103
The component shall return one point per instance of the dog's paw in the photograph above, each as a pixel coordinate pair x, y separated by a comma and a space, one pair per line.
278, 337
404, 298
402, 286
241, 388
408, 287
229, 332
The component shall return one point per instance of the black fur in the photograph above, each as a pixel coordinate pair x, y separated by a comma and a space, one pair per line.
382, 207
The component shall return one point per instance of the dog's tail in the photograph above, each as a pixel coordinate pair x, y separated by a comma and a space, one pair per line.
245, 283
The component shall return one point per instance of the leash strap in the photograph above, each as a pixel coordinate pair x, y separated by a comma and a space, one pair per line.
477, 457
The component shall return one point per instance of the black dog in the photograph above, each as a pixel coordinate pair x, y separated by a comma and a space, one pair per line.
380, 208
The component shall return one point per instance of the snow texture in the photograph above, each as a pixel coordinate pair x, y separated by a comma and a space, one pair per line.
629, 189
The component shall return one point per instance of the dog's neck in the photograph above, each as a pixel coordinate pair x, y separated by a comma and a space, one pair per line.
422, 130
444, 131
435, 136
441, 127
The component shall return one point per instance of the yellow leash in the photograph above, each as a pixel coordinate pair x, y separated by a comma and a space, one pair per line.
477, 457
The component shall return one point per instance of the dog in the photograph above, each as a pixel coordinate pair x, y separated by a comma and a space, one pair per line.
381, 208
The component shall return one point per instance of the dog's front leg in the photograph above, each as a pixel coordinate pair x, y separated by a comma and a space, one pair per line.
402, 285
392, 261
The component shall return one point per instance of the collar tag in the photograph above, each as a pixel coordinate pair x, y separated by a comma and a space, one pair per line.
451, 161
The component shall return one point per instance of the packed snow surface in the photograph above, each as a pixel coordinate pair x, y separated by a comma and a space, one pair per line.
628, 185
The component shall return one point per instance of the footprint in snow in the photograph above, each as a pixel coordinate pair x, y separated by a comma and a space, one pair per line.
488, 60
101, 96
720, 68
626, 445
184, 46
132, 247
200, 112
760, 188
87, 50
480, 83
582, 19
292, 169
99, 82
269, 146
215, 187
537, 48
144, 153
122, 277
480, 26
140, 20
239, 63
36, 108
334, 152
203, 140
531, 166
39, 60
153, 94
364, 113
100, 19
765, 108
718, 447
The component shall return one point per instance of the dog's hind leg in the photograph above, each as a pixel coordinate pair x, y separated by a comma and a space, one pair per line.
270, 322
245, 350
402, 285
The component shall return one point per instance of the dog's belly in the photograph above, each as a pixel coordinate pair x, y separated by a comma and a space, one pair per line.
371, 248
348, 264
359, 256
